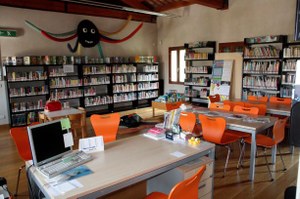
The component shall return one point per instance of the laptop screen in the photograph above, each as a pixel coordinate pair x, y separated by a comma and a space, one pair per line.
47, 142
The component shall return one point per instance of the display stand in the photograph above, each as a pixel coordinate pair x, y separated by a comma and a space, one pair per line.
221, 78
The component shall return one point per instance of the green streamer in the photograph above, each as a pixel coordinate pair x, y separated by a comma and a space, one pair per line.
34, 27
100, 50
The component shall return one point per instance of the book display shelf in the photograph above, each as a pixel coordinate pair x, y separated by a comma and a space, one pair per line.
262, 66
291, 54
199, 60
98, 87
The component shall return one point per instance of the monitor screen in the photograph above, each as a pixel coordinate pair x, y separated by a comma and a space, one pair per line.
47, 142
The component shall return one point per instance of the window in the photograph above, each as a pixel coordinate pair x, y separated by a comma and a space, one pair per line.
176, 65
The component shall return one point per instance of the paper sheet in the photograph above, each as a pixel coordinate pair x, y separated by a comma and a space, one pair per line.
177, 154
68, 139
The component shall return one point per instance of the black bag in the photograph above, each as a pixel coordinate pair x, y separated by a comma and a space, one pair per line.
132, 120
3, 188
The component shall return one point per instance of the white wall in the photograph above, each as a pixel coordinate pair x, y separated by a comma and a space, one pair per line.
244, 18
30, 42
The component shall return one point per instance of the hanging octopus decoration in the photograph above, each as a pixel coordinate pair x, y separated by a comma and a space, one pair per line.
87, 35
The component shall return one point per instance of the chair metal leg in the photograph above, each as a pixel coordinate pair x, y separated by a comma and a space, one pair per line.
241, 158
265, 152
284, 168
18, 180
227, 159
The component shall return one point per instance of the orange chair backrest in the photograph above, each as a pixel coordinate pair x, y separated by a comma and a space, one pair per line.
261, 107
258, 99
106, 126
216, 106
245, 110
263, 99
279, 100
20, 137
233, 104
214, 98
279, 130
187, 188
252, 98
187, 121
213, 128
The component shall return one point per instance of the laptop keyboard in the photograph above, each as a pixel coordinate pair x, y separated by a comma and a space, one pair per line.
65, 163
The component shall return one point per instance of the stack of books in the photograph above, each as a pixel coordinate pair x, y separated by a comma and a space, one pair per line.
155, 133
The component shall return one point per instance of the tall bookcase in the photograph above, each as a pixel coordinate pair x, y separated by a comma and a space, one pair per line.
262, 65
99, 88
291, 54
199, 60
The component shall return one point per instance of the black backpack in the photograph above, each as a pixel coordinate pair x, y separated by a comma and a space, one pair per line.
132, 120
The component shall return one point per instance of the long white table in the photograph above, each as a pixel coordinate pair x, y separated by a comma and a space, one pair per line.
126, 162
248, 127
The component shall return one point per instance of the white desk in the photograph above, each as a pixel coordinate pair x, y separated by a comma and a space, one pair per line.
126, 162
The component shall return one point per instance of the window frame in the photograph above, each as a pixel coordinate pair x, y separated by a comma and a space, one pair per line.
177, 49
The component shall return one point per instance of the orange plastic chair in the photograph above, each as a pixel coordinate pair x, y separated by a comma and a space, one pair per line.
268, 142
246, 110
187, 121
262, 108
106, 126
223, 107
214, 98
20, 137
213, 129
182, 190
258, 99
233, 104
279, 100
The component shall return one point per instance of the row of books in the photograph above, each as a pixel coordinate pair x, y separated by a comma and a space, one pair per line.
123, 97
150, 68
262, 52
118, 88
265, 67
147, 94
292, 51
26, 76
197, 69
147, 77
28, 91
64, 82
200, 81
124, 78
96, 80
288, 78
99, 100
196, 55
66, 93
90, 91
202, 93
260, 82
89, 70
289, 65
28, 105
148, 85
286, 92
124, 68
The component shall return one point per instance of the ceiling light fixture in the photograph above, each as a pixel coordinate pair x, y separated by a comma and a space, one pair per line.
116, 7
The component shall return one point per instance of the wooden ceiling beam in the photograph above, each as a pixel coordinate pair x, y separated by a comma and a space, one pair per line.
173, 5
136, 4
217, 4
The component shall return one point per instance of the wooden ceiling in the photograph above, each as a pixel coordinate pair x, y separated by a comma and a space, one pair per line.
75, 7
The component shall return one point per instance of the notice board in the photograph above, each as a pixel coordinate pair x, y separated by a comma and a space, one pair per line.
221, 78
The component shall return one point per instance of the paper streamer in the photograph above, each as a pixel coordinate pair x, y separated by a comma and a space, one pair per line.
100, 50
117, 31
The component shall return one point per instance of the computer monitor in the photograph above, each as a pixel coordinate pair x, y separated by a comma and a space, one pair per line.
47, 142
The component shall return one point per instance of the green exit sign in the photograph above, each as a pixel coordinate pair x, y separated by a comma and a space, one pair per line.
8, 33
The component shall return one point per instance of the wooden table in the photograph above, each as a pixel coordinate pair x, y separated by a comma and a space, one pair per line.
164, 106
61, 113
248, 127
126, 162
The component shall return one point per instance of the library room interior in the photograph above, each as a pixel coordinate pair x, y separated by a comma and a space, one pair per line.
178, 99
